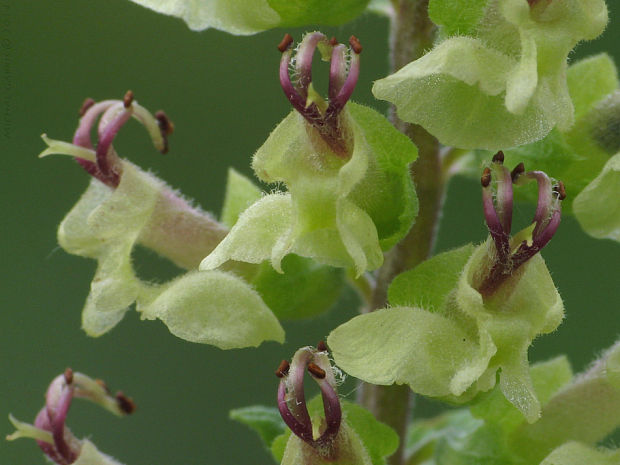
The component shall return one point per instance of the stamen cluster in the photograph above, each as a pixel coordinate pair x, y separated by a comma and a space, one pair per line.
343, 75
497, 197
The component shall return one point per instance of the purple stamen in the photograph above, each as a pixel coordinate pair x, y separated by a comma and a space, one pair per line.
58, 418
545, 198
106, 157
498, 234
343, 78
499, 219
302, 430
337, 70
303, 61
291, 387
337, 103
82, 133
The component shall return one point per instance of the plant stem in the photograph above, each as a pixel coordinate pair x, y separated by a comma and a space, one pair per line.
411, 33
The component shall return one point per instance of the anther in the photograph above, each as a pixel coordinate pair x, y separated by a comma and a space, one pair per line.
485, 179
316, 371
333, 41
355, 44
498, 157
283, 368
126, 404
68, 374
517, 171
86, 104
285, 43
128, 99
321, 346
165, 125
560, 190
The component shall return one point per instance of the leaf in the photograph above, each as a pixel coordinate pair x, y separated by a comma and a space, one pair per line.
216, 308
266, 421
590, 80
305, 289
240, 194
429, 284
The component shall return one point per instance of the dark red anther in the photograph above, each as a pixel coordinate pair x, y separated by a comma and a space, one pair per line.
498, 157
321, 346
86, 104
355, 44
68, 374
126, 404
485, 179
128, 99
283, 368
517, 171
285, 43
560, 190
316, 370
333, 41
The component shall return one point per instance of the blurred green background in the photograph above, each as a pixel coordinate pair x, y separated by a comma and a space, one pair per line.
223, 94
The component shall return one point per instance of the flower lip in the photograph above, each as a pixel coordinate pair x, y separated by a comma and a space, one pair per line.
292, 402
497, 199
343, 76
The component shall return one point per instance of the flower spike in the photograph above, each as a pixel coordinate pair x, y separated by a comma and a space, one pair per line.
292, 402
49, 429
343, 76
497, 206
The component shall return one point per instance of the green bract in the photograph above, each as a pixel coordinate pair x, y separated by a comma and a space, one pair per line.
503, 84
251, 16
337, 211
446, 340
209, 307
575, 453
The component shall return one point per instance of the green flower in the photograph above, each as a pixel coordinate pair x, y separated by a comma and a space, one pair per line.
125, 206
349, 194
462, 317
504, 83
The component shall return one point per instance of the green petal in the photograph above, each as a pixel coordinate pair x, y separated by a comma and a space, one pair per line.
217, 308
255, 234
266, 421
406, 346
429, 284
575, 453
240, 17
597, 208
241, 192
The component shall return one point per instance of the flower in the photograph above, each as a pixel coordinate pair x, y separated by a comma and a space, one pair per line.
49, 429
125, 206
504, 83
460, 317
345, 167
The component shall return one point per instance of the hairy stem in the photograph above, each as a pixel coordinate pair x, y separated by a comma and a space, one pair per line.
411, 34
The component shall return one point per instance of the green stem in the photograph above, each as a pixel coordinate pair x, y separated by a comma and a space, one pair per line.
411, 33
